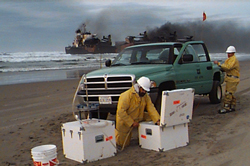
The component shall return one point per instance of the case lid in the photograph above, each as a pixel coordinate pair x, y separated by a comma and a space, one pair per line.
177, 106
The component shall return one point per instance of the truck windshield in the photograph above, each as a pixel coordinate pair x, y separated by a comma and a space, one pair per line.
144, 55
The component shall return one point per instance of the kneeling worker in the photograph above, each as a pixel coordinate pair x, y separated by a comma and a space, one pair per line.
130, 110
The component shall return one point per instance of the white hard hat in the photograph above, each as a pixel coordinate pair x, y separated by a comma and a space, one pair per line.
231, 49
145, 83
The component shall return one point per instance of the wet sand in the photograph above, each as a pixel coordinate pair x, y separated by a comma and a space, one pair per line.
31, 114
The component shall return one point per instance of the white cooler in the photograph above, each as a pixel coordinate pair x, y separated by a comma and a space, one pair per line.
176, 112
90, 141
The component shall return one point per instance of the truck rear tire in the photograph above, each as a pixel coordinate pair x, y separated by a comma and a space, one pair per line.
215, 96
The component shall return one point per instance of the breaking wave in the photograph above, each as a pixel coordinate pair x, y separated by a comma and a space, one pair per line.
35, 61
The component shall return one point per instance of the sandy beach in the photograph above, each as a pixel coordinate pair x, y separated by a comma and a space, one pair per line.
31, 114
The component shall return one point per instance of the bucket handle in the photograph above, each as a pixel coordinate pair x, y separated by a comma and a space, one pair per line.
54, 162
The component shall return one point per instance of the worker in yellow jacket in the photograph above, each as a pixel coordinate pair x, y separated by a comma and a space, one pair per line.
131, 110
232, 69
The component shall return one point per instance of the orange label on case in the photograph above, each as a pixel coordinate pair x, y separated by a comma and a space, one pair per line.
176, 102
109, 138
144, 136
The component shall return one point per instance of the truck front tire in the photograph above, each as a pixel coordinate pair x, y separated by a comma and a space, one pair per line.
215, 96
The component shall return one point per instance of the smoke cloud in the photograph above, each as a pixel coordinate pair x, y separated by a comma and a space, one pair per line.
36, 30
121, 21
217, 35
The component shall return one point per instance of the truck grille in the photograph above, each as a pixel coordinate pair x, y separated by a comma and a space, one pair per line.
107, 85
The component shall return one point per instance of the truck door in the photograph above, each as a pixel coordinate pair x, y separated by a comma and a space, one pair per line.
194, 71
205, 66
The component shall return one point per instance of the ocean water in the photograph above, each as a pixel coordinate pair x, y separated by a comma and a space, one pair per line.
24, 67
41, 61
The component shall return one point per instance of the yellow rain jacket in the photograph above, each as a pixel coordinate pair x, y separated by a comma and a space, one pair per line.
232, 68
130, 109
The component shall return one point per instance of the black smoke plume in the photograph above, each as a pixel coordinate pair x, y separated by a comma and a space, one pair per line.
217, 35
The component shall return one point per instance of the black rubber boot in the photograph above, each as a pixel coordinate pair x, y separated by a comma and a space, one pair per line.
226, 109
223, 111
232, 109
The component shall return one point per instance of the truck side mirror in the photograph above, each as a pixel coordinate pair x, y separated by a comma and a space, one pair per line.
108, 63
187, 58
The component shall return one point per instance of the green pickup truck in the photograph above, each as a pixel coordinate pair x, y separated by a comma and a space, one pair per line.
169, 65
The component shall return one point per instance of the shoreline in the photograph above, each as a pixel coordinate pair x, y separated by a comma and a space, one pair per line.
12, 78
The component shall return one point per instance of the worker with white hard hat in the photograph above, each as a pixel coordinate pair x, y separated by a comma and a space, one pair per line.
131, 110
232, 69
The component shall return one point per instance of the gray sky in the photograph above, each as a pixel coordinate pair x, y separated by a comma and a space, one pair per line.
49, 25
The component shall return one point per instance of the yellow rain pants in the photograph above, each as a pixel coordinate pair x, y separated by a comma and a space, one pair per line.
130, 109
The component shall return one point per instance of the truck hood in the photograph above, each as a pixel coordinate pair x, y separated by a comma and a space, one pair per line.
137, 70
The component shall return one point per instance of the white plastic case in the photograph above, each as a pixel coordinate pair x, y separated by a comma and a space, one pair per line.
176, 112
90, 141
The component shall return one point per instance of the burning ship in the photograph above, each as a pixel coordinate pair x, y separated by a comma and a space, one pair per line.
88, 43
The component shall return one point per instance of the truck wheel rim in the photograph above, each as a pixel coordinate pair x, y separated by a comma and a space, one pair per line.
219, 92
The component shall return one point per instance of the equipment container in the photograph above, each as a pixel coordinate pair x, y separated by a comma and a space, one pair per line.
89, 140
176, 112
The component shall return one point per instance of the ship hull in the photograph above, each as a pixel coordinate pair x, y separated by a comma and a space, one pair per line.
83, 50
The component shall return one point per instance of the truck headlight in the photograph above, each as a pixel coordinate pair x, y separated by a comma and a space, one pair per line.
81, 87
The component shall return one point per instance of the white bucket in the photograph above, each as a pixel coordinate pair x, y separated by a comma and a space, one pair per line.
44, 155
